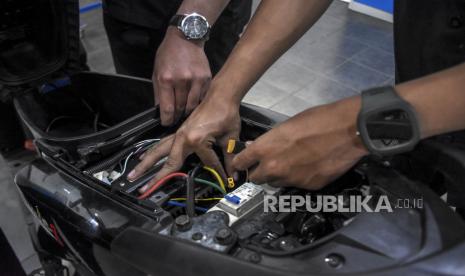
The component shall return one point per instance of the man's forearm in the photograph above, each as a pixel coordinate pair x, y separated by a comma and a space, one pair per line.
439, 100
275, 27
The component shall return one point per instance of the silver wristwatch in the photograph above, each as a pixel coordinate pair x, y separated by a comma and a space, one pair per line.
194, 26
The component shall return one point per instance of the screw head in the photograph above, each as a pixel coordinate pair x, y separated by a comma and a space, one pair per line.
334, 260
254, 258
183, 223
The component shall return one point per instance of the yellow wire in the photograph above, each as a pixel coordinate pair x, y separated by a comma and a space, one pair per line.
217, 176
198, 199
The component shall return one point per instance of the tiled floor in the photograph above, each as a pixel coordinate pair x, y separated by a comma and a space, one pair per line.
342, 54
12, 221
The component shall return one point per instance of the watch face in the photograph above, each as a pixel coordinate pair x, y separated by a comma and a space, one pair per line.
195, 26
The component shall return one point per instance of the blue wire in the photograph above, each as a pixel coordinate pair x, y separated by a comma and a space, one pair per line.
179, 204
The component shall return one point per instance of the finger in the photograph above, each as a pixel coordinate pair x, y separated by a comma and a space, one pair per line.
156, 94
181, 92
167, 139
167, 102
259, 175
204, 89
151, 157
209, 158
193, 99
246, 158
173, 163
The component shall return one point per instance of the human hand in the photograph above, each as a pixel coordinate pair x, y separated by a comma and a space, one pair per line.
214, 121
181, 76
307, 151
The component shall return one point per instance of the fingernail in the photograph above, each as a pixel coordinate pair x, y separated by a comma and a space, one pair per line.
248, 143
236, 176
142, 156
143, 189
132, 174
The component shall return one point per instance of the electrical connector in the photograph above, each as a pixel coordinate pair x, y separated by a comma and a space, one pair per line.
235, 146
231, 183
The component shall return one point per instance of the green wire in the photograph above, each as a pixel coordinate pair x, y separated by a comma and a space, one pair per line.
214, 185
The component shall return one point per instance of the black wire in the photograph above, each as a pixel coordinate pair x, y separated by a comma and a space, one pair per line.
96, 118
190, 197
49, 127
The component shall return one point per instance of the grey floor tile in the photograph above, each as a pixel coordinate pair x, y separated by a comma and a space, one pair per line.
85, 2
101, 61
265, 95
319, 62
357, 76
337, 45
377, 59
325, 26
324, 90
12, 220
391, 81
338, 9
96, 43
356, 18
291, 105
386, 43
368, 35
287, 76
255, 4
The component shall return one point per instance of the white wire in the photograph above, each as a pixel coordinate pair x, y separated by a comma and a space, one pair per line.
126, 162
139, 145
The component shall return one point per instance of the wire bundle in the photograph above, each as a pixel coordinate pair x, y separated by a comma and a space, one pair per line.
190, 180
139, 147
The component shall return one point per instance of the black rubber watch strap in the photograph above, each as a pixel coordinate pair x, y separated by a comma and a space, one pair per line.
374, 98
384, 99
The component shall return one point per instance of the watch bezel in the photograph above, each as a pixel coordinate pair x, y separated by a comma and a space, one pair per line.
183, 26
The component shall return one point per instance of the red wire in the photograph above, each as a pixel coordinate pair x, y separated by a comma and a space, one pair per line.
160, 183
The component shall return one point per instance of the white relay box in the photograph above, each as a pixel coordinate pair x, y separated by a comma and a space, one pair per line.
243, 200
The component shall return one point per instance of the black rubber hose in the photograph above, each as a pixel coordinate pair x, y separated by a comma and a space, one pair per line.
190, 198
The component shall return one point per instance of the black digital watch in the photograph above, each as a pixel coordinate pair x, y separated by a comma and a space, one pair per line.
387, 124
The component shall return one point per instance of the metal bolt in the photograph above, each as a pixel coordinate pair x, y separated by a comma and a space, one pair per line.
334, 260
183, 223
224, 236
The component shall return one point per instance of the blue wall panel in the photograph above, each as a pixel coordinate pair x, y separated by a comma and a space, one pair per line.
384, 5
